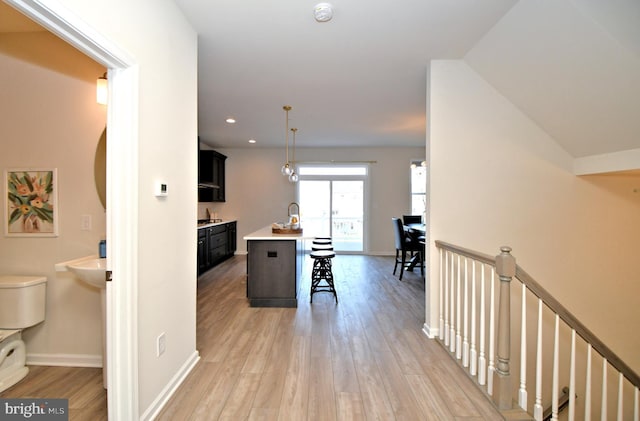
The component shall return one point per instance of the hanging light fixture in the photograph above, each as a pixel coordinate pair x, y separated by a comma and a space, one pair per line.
102, 89
286, 169
293, 177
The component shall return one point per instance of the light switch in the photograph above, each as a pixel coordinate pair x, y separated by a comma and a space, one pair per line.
86, 223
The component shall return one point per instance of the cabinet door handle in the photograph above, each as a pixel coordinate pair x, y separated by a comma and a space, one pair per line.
272, 254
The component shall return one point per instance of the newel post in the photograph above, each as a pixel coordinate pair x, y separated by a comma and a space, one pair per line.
506, 270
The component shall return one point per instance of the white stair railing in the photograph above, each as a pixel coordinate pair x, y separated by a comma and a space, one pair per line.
473, 313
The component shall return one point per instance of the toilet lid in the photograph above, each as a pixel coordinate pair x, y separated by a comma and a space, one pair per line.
16, 281
5, 333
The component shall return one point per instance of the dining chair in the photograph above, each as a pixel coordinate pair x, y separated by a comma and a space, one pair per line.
406, 244
412, 219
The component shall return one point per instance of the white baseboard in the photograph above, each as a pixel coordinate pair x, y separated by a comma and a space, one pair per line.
431, 333
381, 253
65, 360
161, 400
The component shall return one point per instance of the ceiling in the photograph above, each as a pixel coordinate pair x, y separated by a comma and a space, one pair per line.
357, 80
360, 79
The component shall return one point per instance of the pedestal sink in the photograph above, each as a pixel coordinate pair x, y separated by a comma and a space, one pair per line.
93, 272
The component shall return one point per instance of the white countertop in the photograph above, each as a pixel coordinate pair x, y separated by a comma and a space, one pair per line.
266, 234
213, 224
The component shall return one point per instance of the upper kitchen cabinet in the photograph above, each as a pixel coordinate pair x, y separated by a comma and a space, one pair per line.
211, 180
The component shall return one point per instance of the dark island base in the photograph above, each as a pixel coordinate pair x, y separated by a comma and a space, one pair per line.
273, 302
273, 272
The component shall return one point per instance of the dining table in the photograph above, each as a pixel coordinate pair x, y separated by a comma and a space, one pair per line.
418, 231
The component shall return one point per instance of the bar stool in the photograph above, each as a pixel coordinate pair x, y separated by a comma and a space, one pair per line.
322, 272
318, 247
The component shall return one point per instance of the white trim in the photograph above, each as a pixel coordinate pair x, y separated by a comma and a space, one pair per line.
122, 247
161, 400
122, 226
608, 162
73, 30
380, 253
431, 333
65, 360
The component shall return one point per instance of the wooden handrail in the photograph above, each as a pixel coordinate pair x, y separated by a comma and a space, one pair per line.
481, 257
576, 325
555, 306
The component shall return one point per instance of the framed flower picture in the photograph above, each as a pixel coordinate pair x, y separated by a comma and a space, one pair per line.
31, 203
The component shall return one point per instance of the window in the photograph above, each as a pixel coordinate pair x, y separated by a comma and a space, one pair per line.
332, 202
418, 187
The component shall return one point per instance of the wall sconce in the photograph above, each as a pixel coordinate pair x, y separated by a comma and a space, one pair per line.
102, 90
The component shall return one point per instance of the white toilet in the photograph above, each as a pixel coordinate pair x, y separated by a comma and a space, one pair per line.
22, 305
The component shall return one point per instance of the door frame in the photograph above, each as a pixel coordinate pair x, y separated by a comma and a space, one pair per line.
366, 199
122, 208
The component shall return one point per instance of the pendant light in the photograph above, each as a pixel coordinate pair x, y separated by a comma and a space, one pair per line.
286, 169
293, 177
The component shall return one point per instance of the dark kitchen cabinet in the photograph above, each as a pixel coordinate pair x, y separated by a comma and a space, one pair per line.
215, 244
217, 237
211, 176
203, 259
231, 238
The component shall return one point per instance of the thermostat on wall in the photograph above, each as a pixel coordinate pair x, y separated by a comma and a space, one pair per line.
162, 189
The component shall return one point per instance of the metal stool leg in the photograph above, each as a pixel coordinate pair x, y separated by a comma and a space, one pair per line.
322, 272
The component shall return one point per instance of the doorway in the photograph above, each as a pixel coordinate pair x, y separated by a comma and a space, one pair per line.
332, 202
122, 120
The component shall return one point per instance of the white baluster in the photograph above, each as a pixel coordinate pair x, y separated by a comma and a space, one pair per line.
452, 322
440, 295
603, 404
492, 334
473, 369
537, 407
447, 274
587, 390
620, 384
482, 360
572, 378
458, 315
554, 385
465, 337
522, 392
636, 405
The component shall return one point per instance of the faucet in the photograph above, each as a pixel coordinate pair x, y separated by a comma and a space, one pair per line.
294, 218
289, 208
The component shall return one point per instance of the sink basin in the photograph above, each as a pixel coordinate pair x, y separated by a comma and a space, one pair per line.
91, 271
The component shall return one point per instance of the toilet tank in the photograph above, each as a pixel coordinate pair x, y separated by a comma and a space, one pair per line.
22, 301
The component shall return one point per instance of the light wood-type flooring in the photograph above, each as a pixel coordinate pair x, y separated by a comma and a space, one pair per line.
365, 358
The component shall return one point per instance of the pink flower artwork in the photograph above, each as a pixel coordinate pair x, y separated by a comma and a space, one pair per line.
30, 203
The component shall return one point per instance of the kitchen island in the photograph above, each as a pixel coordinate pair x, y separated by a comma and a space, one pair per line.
274, 268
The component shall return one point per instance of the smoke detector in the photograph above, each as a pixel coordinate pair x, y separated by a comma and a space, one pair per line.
323, 12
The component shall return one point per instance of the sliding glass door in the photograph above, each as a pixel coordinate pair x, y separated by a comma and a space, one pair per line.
332, 204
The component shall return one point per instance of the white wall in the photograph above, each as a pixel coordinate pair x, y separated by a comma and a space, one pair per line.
49, 119
257, 194
498, 179
164, 47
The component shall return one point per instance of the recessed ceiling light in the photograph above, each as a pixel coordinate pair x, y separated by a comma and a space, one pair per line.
230, 120
252, 141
